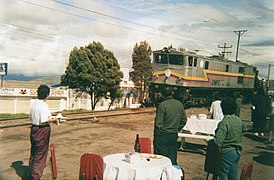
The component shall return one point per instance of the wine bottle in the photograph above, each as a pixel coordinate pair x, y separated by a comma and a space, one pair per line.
137, 147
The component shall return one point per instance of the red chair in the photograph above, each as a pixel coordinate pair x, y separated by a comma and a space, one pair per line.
53, 162
91, 167
145, 145
247, 171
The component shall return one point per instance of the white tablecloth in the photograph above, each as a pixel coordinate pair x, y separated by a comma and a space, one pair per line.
206, 126
117, 168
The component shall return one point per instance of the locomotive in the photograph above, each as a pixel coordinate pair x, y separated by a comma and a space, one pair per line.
196, 78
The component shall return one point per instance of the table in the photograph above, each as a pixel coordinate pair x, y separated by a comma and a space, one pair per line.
205, 126
117, 168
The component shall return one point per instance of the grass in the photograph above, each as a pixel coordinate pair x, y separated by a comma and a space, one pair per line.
7, 116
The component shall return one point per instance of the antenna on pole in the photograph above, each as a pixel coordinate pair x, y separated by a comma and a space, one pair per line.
239, 33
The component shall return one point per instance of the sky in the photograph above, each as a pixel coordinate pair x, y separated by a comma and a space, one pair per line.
37, 36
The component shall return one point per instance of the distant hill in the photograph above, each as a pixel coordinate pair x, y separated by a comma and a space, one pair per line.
21, 81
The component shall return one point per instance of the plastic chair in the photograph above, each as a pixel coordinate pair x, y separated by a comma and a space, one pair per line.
145, 145
183, 172
91, 167
246, 171
53, 162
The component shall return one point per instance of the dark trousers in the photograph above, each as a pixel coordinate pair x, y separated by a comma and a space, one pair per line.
39, 138
166, 144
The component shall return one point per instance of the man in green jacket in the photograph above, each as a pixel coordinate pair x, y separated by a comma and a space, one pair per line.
170, 119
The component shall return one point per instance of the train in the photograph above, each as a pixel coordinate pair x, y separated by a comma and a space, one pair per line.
196, 79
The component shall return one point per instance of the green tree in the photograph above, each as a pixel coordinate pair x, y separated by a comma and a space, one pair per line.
115, 93
93, 70
142, 68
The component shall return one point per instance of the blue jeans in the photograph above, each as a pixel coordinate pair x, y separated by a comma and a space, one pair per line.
229, 165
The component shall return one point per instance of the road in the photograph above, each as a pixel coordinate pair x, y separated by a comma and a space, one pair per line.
117, 135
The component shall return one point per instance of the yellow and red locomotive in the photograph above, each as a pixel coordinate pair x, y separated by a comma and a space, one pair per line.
197, 78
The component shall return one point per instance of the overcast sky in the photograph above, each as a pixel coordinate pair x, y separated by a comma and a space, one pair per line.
38, 35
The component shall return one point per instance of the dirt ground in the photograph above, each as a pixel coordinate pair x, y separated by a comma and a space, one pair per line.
117, 135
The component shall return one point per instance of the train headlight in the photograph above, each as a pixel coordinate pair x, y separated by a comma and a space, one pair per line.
167, 72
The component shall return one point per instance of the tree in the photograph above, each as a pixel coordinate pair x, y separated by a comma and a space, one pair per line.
142, 68
93, 70
115, 93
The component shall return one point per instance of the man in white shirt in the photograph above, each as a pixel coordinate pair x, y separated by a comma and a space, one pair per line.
40, 132
215, 109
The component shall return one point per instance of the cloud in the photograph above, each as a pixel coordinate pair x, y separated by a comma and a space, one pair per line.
37, 33
263, 43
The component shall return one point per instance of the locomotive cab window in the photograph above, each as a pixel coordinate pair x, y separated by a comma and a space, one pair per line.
175, 59
195, 62
206, 65
161, 58
192, 61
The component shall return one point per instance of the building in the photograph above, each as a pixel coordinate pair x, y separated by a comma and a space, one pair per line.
17, 96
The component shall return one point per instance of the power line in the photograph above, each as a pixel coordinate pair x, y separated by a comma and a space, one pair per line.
125, 27
99, 13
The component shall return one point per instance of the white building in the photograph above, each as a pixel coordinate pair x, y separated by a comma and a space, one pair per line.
14, 99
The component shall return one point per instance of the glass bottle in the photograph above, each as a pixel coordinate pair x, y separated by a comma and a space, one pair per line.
137, 147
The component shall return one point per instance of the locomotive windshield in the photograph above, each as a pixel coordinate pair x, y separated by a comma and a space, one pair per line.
174, 59
161, 58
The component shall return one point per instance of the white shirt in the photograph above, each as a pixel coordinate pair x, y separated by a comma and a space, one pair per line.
39, 112
216, 110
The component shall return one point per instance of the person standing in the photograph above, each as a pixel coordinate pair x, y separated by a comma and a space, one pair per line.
260, 112
271, 119
228, 139
169, 120
40, 132
239, 103
215, 108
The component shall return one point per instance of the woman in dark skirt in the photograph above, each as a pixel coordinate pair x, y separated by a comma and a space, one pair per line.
260, 112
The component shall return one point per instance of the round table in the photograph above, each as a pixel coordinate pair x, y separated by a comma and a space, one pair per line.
116, 167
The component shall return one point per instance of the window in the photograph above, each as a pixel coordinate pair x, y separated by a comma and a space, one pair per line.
206, 65
227, 68
176, 59
161, 58
190, 60
195, 62
241, 69
240, 80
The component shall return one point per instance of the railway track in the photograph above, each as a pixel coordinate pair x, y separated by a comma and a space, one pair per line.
93, 116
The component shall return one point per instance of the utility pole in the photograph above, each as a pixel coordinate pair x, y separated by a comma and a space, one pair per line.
268, 75
224, 49
239, 33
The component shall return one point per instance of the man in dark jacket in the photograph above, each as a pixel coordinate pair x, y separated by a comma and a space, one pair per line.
228, 138
170, 119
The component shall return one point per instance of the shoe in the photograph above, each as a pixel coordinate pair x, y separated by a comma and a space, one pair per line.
268, 142
262, 134
256, 134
